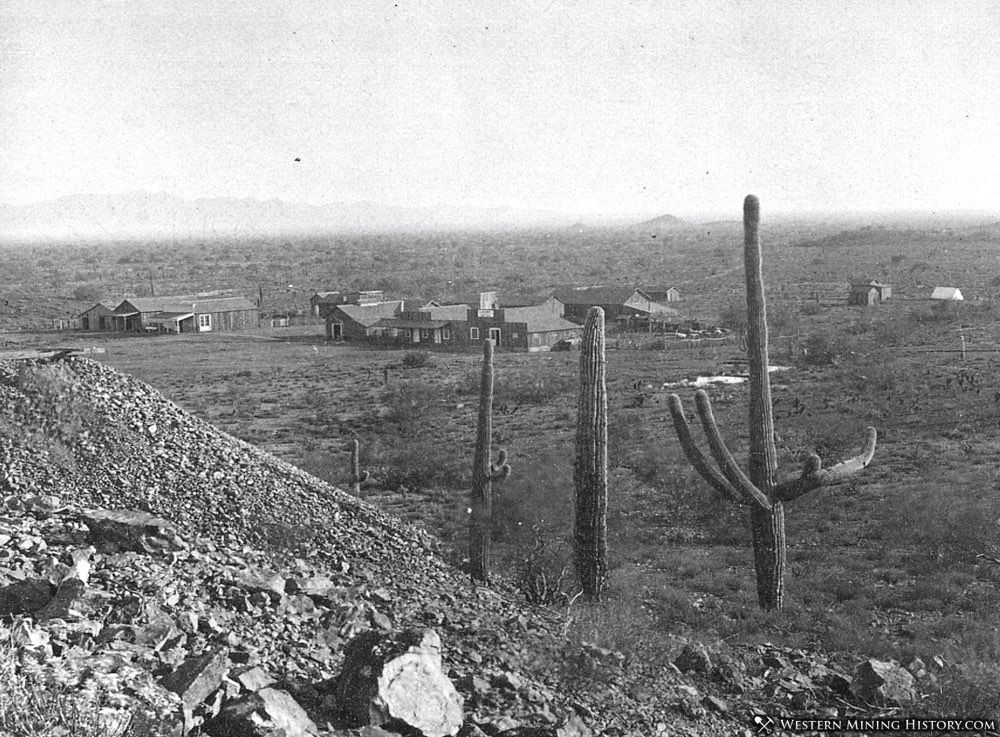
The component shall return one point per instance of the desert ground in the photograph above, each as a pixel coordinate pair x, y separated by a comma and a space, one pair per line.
902, 560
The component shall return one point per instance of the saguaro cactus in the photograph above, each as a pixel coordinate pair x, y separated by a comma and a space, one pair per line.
358, 476
759, 489
484, 473
590, 471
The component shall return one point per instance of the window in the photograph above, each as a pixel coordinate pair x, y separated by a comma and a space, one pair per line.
445, 333
473, 333
515, 336
205, 322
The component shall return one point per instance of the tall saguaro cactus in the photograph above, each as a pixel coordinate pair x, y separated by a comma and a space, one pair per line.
358, 476
484, 473
759, 489
590, 471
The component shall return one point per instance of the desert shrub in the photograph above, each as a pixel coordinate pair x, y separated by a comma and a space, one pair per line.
544, 573
952, 520
824, 348
41, 697
518, 389
528, 390
969, 691
407, 401
415, 463
417, 359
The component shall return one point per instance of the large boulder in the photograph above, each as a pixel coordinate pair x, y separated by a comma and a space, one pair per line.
127, 529
69, 601
884, 682
398, 677
24, 597
261, 714
197, 678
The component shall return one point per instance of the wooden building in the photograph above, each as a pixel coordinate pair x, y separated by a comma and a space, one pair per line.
662, 295
357, 322
98, 317
615, 301
526, 329
868, 293
321, 299
184, 314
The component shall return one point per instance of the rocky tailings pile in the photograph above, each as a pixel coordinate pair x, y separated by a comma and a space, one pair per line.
155, 563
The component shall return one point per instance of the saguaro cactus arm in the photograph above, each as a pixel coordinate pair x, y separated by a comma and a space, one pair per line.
694, 455
727, 464
500, 469
813, 476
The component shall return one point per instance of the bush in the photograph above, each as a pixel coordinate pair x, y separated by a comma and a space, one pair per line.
824, 348
417, 359
544, 573
42, 697
519, 389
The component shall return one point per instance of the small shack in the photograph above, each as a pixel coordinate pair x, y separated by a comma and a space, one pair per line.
868, 293
98, 317
947, 294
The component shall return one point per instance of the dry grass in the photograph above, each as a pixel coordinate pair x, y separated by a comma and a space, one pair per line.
33, 704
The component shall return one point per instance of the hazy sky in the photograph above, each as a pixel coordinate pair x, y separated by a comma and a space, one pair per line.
631, 107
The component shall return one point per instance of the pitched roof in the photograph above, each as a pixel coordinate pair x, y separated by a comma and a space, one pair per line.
539, 319
321, 296
106, 304
185, 304
368, 315
595, 295
946, 293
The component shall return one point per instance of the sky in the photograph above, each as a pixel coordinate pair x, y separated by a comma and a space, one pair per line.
578, 107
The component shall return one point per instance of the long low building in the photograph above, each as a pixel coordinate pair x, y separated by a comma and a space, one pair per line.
183, 314
523, 329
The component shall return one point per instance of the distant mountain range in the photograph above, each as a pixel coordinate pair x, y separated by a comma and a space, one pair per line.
86, 217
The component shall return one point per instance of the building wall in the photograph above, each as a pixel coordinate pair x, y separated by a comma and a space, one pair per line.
538, 342
863, 297
225, 321
351, 329
91, 319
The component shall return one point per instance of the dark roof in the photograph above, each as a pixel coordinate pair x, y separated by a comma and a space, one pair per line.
538, 319
103, 303
596, 295
324, 296
368, 315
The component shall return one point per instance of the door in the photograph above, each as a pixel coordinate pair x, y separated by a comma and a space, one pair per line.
495, 335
